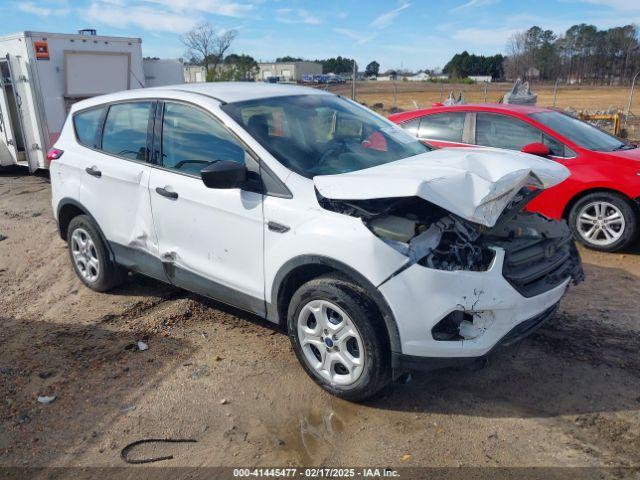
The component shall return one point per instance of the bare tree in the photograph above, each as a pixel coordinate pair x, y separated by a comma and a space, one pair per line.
221, 43
208, 45
516, 62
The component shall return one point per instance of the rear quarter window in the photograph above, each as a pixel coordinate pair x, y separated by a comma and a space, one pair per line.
412, 126
87, 126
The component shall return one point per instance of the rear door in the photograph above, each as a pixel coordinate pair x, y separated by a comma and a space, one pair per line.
114, 186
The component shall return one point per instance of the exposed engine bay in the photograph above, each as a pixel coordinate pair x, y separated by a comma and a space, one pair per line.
539, 252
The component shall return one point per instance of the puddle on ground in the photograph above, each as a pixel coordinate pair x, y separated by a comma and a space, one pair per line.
312, 434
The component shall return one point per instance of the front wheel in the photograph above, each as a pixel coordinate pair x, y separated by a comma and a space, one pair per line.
604, 221
338, 337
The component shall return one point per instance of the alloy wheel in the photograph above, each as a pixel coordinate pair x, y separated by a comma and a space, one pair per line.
85, 255
331, 342
600, 223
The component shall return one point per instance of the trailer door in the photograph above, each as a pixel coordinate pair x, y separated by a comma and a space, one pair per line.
8, 151
27, 113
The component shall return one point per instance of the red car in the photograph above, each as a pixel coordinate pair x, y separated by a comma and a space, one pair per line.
600, 199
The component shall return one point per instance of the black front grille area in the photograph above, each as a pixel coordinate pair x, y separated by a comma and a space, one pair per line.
535, 265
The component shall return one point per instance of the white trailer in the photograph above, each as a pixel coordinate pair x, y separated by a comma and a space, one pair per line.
160, 73
43, 74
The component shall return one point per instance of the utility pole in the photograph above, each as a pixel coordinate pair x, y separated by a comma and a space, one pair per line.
353, 82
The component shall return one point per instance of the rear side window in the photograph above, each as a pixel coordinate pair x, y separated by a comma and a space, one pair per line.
501, 131
87, 125
447, 127
125, 130
192, 139
412, 126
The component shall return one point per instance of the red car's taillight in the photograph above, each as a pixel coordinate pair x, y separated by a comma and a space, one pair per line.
54, 154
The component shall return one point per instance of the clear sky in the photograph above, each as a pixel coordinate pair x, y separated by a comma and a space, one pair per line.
413, 34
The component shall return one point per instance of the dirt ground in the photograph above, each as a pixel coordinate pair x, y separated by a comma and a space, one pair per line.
569, 396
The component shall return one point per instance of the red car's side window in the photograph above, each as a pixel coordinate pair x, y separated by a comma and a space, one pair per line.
501, 131
445, 127
412, 126
491, 130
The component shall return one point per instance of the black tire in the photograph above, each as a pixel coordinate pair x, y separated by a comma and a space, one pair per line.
109, 274
629, 213
353, 300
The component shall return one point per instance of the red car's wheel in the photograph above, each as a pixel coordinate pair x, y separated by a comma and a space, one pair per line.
604, 221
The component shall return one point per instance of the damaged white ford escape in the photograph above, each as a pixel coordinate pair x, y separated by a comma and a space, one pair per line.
377, 254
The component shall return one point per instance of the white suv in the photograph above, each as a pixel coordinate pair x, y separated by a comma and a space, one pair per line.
377, 254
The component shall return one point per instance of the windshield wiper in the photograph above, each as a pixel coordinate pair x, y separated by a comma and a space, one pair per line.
624, 146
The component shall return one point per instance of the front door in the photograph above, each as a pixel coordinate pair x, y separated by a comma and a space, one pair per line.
211, 240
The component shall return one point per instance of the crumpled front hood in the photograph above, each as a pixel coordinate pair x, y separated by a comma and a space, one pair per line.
473, 183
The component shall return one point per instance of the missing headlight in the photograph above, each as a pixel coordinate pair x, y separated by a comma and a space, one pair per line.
424, 232
459, 248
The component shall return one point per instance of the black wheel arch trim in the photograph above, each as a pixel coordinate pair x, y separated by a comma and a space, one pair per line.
70, 201
376, 296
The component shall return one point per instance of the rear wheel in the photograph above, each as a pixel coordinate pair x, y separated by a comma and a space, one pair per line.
604, 221
338, 338
90, 257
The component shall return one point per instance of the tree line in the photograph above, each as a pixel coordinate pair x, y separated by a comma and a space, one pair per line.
582, 54
463, 65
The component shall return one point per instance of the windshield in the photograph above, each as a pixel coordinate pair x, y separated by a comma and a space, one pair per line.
323, 134
581, 133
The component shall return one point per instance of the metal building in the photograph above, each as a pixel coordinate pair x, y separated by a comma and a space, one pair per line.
288, 71
195, 74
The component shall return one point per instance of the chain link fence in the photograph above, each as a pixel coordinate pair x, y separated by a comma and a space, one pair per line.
605, 106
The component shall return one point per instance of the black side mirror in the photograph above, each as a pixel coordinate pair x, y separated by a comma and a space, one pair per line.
224, 174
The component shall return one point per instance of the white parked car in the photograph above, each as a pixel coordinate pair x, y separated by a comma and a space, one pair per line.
376, 254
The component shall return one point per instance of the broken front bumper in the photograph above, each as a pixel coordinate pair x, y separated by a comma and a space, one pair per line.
421, 297
400, 362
